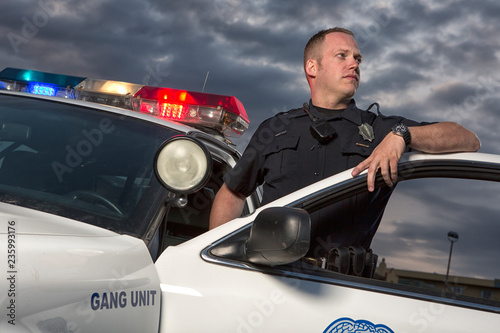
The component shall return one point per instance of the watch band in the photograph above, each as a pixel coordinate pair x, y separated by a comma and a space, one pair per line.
403, 131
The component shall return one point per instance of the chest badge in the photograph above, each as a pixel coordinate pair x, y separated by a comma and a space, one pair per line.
366, 131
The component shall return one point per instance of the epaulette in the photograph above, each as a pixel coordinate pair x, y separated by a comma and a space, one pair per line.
293, 113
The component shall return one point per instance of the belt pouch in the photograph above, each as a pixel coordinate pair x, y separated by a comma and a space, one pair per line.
338, 260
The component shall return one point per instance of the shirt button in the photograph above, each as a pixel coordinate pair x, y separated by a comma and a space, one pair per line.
316, 173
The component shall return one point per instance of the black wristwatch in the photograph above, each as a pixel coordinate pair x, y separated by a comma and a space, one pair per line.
403, 131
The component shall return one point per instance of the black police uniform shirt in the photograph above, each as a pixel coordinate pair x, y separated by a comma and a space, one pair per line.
284, 156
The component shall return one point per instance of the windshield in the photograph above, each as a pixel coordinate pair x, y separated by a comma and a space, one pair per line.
81, 163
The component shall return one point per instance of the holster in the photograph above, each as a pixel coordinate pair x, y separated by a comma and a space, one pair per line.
353, 260
357, 256
370, 264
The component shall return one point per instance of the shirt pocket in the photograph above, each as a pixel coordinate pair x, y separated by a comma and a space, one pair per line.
363, 149
357, 152
282, 159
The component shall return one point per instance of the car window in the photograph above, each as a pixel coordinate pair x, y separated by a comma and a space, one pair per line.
81, 163
412, 242
414, 247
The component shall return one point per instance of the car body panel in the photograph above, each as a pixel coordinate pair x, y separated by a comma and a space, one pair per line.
236, 299
65, 273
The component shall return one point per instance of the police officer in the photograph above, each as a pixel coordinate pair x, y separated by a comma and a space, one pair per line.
329, 135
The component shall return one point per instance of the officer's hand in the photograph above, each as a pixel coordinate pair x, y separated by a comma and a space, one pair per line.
385, 157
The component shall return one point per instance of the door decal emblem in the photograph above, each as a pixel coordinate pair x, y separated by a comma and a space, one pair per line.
348, 325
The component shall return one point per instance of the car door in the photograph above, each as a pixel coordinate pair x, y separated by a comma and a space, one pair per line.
231, 293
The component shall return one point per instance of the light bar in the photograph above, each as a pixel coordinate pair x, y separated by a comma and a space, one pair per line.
224, 114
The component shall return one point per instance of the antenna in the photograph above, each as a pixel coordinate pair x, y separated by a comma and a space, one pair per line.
206, 78
149, 75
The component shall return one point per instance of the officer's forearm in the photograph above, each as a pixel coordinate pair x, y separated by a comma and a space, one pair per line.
443, 137
227, 205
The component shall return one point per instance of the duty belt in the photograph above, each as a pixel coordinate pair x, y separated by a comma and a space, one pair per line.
352, 260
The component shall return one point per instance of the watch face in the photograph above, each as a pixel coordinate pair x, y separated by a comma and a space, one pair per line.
400, 128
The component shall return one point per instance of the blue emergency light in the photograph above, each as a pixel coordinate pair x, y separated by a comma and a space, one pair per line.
41, 89
35, 82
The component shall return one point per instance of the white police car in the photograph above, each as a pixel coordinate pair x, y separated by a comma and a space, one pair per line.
104, 218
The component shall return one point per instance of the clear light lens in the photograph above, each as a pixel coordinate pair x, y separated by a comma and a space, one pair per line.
115, 93
183, 165
109, 87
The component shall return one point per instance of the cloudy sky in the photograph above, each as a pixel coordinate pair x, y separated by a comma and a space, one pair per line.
426, 60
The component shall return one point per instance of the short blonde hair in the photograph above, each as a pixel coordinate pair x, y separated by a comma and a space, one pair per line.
314, 46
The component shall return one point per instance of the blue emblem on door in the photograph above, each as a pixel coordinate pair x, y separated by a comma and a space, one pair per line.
348, 325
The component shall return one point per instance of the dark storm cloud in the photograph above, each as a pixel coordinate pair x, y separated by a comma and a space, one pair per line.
78, 38
412, 47
397, 78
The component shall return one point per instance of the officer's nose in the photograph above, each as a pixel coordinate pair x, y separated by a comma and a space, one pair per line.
353, 63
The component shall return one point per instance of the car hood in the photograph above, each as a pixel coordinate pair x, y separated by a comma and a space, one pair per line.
29, 221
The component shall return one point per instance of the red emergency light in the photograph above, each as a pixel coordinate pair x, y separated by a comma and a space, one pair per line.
223, 113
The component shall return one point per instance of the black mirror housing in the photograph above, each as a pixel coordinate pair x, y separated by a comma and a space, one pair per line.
279, 235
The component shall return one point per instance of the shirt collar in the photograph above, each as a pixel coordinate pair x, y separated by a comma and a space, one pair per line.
351, 113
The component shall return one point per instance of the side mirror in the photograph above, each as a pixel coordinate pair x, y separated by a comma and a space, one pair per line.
278, 236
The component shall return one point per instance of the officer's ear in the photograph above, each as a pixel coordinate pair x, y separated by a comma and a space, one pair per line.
311, 67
